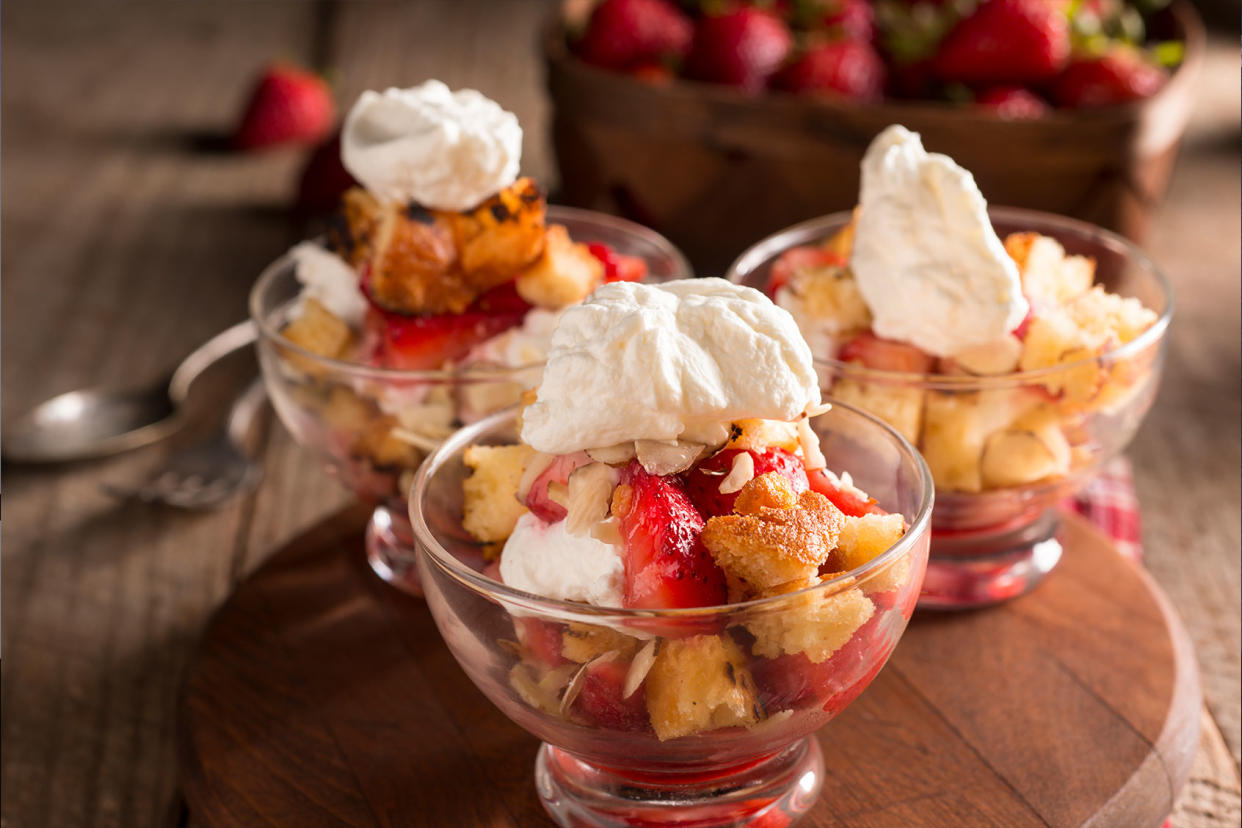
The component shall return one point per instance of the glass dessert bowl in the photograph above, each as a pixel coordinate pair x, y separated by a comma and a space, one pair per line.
1010, 432
683, 715
372, 424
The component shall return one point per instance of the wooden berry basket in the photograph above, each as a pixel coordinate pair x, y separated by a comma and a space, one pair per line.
716, 170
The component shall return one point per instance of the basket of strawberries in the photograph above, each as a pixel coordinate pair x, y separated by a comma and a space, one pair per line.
719, 121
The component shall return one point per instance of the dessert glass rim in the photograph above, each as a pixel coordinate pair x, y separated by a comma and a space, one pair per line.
575, 610
269, 330
807, 232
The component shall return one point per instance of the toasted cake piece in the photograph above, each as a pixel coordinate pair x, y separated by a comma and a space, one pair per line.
816, 624
380, 444
902, 408
955, 427
564, 274
583, 642
502, 235
319, 331
1090, 325
1032, 448
700, 683
828, 298
491, 507
862, 539
346, 411
776, 536
1049, 277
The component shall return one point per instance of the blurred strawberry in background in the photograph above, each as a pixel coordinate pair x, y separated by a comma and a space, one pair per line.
286, 105
1016, 58
324, 179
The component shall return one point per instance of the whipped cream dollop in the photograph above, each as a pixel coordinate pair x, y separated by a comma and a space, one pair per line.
928, 263
442, 149
674, 361
545, 559
329, 279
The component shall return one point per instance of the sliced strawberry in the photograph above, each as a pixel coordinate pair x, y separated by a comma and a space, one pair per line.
1025, 324
850, 501
885, 354
795, 259
666, 564
618, 267
601, 703
414, 343
703, 481
790, 681
542, 639
538, 500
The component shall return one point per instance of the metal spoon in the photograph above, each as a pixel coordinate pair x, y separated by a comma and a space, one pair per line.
94, 422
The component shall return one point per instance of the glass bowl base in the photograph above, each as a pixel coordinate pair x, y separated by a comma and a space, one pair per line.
773, 791
968, 569
391, 552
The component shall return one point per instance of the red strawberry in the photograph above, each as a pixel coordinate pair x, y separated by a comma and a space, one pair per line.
847, 67
853, 18
885, 354
703, 481
742, 48
1025, 324
601, 703
542, 639
287, 105
1117, 77
618, 267
416, 343
1013, 102
538, 500
795, 259
666, 565
324, 178
791, 680
623, 34
1006, 41
653, 73
850, 501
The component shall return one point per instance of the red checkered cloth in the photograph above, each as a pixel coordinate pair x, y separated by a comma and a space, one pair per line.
1109, 503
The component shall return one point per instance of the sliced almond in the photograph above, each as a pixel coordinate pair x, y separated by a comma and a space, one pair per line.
991, 358
575, 684
661, 458
535, 466
809, 441
613, 455
741, 473
558, 493
589, 496
607, 531
639, 667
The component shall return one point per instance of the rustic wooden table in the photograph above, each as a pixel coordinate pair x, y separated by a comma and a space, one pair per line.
127, 242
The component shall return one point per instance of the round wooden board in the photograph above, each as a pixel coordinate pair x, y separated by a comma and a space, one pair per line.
320, 696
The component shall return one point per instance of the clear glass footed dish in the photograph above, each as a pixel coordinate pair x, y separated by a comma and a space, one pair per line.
1004, 446
372, 426
676, 716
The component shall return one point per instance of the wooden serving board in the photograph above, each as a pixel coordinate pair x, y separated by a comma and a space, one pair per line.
320, 696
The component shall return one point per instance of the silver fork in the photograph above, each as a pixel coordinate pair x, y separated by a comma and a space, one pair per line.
206, 474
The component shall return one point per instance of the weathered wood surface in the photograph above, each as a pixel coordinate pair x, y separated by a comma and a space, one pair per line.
1076, 705
126, 242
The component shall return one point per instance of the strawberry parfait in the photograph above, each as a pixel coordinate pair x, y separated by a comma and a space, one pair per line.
430, 300
1017, 365
661, 564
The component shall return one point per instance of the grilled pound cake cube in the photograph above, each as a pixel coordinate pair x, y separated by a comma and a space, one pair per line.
862, 539
502, 235
318, 330
1049, 277
816, 623
583, 642
380, 444
563, 275
491, 507
829, 298
775, 536
761, 435
957, 424
700, 683
902, 408
1033, 448
413, 265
